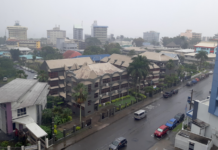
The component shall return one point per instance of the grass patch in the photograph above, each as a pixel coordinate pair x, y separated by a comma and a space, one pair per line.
126, 100
178, 127
59, 134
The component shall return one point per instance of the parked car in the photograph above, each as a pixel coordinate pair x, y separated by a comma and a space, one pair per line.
162, 130
210, 72
171, 123
189, 83
35, 77
194, 81
140, 114
197, 79
118, 143
5, 79
167, 94
175, 91
179, 117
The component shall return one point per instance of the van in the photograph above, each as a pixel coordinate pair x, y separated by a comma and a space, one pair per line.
140, 114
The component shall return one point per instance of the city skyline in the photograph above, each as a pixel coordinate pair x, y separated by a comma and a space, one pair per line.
170, 19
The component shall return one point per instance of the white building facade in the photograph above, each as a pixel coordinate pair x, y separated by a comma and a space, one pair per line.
52, 35
17, 32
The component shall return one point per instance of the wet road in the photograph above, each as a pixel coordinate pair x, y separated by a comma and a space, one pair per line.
139, 134
30, 74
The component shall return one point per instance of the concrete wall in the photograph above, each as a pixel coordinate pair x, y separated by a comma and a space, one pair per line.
3, 123
195, 129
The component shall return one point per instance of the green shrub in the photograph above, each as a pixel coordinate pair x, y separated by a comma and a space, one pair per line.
78, 128
123, 106
113, 101
107, 103
69, 118
4, 144
117, 108
18, 144
55, 131
99, 105
128, 104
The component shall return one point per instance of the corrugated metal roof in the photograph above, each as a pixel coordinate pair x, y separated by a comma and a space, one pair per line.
207, 44
94, 57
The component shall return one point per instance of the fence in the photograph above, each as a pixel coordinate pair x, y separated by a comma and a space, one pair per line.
10, 148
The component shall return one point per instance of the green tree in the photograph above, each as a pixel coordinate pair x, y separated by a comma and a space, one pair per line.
49, 53
201, 56
114, 51
180, 70
139, 68
92, 41
80, 95
131, 53
15, 53
34, 57
92, 50
182, 59
170, 65
109, 47
42, 76
7, 68
21, 74
138, 42
47, 116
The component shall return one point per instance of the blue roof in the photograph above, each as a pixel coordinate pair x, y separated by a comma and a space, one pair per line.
94, 57
30, 56
1, 53
189, 113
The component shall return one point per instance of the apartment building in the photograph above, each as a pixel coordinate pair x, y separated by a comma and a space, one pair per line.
21, 105
190, 58
189, 34
77, 32
64, 44
123, 61
56, 70
208, 46
151, 36
17, 32
52, 35
196, 35
104, 82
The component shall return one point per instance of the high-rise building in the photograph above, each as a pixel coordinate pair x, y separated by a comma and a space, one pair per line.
87, 36
52, 35
189, 34
77, 32
17, 32
151, 36
100, 32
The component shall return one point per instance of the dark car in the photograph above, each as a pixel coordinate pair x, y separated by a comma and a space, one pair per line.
179, 117
175, 91
189, 83
167, 94
118, 143
194, 81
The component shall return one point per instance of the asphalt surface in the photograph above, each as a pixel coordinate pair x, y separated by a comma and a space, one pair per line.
30, 74
139, 134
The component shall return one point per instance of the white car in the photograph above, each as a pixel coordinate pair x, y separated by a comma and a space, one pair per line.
210, 72
35, 77
140, 114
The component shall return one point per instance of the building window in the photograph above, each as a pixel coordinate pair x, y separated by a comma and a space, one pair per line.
96, 95
106, 80
115, 96
105, 100
116, 78
53, 74
53, 83
124, 76
14, 126
96, 84
89, 102
124, 85
53, 91
124, 94
115, 88
105, 90
21, 112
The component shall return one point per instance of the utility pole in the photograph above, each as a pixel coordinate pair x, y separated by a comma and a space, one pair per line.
191, 99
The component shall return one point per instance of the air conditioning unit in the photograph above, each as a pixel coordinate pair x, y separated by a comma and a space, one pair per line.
116, 91
107, 84
107, 93
100, 95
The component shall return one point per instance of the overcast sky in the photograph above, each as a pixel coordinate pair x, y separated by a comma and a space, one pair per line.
123, 17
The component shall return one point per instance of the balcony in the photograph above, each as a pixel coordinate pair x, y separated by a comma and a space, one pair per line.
53, 79
61, 78
53, 87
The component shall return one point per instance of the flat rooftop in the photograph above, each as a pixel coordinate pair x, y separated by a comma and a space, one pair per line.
210, 55
185, 50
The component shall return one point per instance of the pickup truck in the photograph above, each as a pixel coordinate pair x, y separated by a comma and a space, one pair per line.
167, 94
175, 91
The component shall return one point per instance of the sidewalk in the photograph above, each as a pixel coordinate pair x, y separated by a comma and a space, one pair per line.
104, 123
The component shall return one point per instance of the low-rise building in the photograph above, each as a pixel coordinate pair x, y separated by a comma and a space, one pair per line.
208, 46
30, 44
64, 45
190, 58
29, 57
95, 58
23, 50
56, 70
21, 105
104, 82
122, 62
172, 45
5, 54
182, 52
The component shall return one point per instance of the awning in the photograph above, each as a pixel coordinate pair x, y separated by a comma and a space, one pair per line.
63, 94
52, 79
31, 125
156, 79
105, 77
124, 82
156, 72
86, 82
61, 77
123, 91
97, 91
115, 84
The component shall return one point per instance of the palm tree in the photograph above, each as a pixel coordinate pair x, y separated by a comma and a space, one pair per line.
180, 70
170, 65
42, 76
202, 56
139, 68
80, 95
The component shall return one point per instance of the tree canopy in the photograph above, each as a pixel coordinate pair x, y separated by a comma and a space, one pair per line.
49, 53
138, 42
7, 68
93, 50
15, 53
92, 41
178, 40
131, 53
201, 56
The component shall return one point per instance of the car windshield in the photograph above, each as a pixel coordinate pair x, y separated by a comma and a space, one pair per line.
170, 122
115, 143
160, 130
